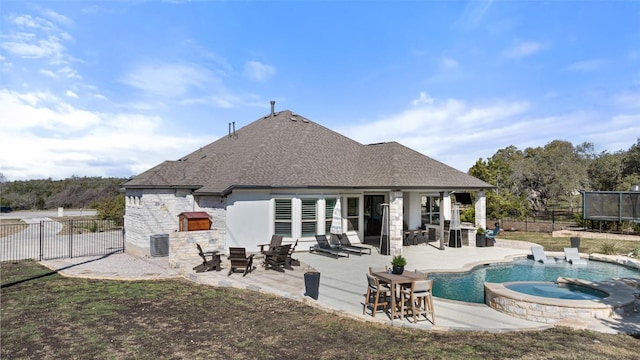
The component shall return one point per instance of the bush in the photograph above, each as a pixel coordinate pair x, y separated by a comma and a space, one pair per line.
609, 247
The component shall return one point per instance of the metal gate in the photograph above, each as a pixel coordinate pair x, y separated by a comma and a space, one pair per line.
50, 239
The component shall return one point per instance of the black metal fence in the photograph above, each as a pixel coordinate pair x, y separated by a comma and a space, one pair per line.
48, 239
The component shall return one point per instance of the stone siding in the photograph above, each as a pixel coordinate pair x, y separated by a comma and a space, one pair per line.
549, 310
183, 253
156, 211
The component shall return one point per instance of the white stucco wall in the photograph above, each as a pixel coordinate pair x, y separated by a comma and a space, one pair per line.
249, 219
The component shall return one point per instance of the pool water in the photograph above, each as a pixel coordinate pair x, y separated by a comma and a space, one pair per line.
558, 291
469, 286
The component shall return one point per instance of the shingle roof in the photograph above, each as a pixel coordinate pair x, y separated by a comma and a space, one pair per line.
290, 151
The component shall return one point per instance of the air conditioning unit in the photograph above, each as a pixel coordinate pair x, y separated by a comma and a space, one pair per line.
159, 245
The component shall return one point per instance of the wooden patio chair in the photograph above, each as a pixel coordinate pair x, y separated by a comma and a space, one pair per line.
290, 260
418, 300
276, 241
376, 296
380, 269
239, 260
208, 265
278, 259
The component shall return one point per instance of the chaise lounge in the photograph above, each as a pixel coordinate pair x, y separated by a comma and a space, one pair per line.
342, 242
573, 257
324, 248
539, 255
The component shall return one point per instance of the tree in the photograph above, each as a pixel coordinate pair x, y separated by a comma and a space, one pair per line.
111, 209
605, 171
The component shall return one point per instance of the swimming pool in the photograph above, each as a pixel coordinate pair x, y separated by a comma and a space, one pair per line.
468, 286
557, 291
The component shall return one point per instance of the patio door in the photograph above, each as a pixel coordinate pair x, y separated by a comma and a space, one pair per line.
373, 214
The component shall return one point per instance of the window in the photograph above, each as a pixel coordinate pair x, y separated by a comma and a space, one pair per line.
430, 209
353, 213
309, 217
328, 214
283, 217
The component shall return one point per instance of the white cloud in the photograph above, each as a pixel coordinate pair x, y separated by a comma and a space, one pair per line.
58, 140
586, 65
628, 99
473, 13
167, 79
71, 94
42, 111
523, 49
448, 63
458, 132
48, 73
424, 98
258, 71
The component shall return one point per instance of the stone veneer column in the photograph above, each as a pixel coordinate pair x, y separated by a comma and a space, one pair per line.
481, 210
396, 220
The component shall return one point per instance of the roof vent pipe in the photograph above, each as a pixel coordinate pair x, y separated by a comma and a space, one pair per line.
273, 108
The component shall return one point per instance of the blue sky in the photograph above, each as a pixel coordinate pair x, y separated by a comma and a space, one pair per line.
112, 88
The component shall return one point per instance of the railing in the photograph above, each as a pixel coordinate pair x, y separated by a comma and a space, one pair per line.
50, 239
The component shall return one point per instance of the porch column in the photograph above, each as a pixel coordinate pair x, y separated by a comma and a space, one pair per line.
481, 210
395, 222
441, 225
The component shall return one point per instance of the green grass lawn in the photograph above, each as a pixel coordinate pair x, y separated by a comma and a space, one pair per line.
587, 245
48, 316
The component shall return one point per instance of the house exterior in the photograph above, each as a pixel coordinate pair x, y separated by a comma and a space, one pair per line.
283, 174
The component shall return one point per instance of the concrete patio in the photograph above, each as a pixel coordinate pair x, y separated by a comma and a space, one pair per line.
343, 284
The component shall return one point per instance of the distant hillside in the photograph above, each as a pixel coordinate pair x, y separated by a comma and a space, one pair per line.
75, 192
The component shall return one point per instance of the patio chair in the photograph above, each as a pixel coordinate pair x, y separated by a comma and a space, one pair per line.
278, 259
383, 284
276, 241
324, 248
573, 257
376, 296
291, 261
418, 299
239, 260
207, 265
539, 255
342, 242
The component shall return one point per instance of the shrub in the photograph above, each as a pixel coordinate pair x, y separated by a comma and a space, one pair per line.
609, 247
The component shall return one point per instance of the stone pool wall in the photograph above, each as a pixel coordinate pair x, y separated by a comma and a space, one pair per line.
547, 310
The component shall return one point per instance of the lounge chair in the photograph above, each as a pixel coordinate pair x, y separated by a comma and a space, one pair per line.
573, 257
539, 255
342, 242
279, 259
239, 260
207, 265
323, 247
